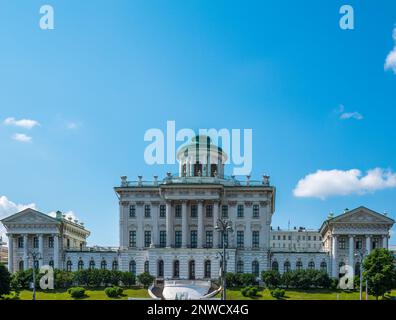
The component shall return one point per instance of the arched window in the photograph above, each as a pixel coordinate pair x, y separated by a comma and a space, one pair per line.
132, 267
357, 268
256, 268
299, 265
160, 272
103, 265
20, 266
239, 266
323, 266
275, 266
286, 266
176, 269
91, 265
207, 273
51, 263
311, 265
69, 265
146, 266
213, 170
197, 169
114, 266
80, 265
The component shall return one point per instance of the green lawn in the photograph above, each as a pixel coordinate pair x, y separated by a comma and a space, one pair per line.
232, 294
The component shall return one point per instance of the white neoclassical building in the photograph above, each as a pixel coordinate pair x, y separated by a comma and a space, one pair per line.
168, 228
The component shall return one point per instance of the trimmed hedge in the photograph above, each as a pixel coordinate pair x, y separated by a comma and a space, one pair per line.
278, 293
113, 292
76, 292
249, 291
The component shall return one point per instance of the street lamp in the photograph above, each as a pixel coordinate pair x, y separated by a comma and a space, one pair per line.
35, 257
361, 254
223, 226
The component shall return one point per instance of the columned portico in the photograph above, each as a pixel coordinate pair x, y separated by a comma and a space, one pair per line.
334, 269
25, 251
41, 249
385, 241
351, 253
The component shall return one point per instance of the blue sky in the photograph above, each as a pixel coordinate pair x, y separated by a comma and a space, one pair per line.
113, 69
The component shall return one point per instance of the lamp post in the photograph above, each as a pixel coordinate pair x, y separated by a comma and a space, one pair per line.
35, 257
223, 226
361, 254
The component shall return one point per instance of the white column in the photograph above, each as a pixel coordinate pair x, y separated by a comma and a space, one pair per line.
140, 226
122, 223
351, 253
41, 249
168, 224
56, 251
200, 224
10, 253
215, 218
25, 252
385, 242
154, 231
368, 244
334, 268
184, 224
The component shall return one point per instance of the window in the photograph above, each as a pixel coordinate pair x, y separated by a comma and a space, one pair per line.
132, 267
299, 265
69, 265
68, 243
279, 237
80, 265
146, 266
194, 211
273, 238
51, 263
342, 243
275, 266
197, 169
103, 265
225, 240
256, 211
50, 242
132, 238
289, 237
36, 264
284, 237
213, 170
357, 268
162, 213
209, 211
240, 239
176, 269
147, 238
20, 243
147, 211
132, 211
160, 271
255, 239
323, 266
193, 238
314, 237
114, 265
256, 268
162, 239
20, 266
178, 211
35, 242
240, 211
207, 273
224, 211
91, 265
311, 265
178, 239
358, 244
375, 243
286, 266
239, 268
209, 239
309, 238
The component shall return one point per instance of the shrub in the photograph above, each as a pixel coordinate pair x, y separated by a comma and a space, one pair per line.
240, 279
249, 291
76, 292
146, 279
113, 292
63, 279
278, 293
271, 278
5, 280
128, 279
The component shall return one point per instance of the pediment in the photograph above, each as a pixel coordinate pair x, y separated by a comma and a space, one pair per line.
29, 216
362, 215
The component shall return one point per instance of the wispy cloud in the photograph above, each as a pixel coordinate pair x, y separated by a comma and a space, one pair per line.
22, 123
326, 183
21, 137
72, 125
345, 115
390, 61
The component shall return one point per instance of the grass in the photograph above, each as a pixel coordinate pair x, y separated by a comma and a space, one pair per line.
232, 294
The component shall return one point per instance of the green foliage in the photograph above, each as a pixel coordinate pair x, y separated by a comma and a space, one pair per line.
113, 292
271, 278
305, 279
249, 291
146, 279
240, 279
5, 280
278, 293
379, 271
63, 279
76, 292
128, 279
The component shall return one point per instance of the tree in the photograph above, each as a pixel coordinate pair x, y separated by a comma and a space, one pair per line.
271, 278
379, 271
5, 280
145, 279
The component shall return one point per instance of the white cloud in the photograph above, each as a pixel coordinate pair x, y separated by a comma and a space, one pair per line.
390, 61
8, 207
326, 183
23, 123
348, 115
21, 137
